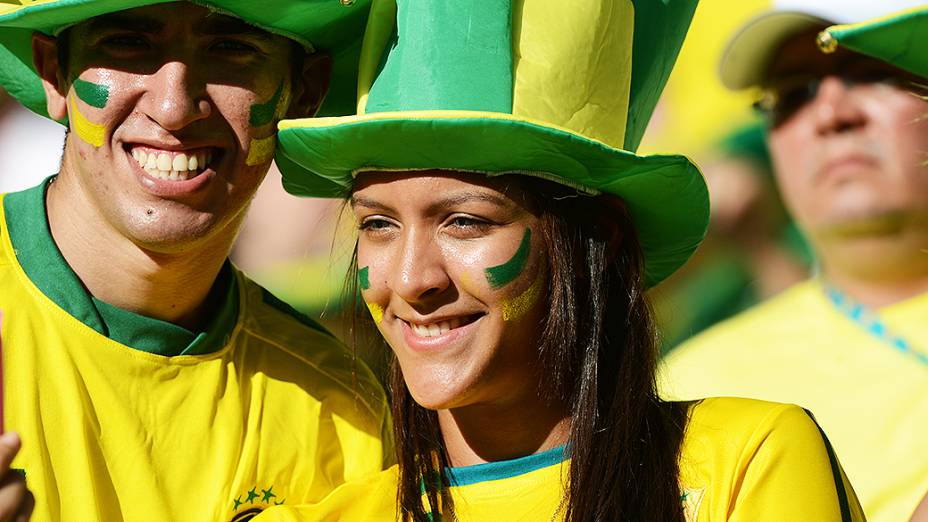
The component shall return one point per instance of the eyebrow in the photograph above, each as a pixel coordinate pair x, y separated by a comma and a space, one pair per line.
126, 22
455, 199
217, 24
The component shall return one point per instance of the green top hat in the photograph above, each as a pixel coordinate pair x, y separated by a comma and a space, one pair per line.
900, 39
335, 26
556, 89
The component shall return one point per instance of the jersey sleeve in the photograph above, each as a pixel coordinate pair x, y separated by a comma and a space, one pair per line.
793, 474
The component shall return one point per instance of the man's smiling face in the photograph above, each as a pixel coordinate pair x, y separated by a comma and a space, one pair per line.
173, 111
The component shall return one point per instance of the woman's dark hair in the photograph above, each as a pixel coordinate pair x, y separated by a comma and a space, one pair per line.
599, 354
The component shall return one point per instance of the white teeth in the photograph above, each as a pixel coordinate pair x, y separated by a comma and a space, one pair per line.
180, 162
164, 161
171, 166
435, 329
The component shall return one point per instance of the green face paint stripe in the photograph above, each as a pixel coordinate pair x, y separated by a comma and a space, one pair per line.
263, 113
502, 275
92, 94
363, 278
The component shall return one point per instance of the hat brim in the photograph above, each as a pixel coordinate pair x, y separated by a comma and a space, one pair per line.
899, 39
749, 53
334, 28
665, 194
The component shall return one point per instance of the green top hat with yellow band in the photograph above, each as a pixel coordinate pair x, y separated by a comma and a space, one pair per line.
556, 89
900, 39
334, 26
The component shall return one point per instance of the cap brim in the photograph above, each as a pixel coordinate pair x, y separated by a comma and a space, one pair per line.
899, 39
749, 53
666, 195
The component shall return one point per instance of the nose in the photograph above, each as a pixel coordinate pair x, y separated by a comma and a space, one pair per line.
421, 275
835, 107
175, 98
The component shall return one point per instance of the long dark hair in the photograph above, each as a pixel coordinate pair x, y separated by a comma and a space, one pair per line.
599, 354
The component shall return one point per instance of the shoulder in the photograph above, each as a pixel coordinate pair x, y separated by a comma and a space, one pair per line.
719, 359
752, 456
309, 354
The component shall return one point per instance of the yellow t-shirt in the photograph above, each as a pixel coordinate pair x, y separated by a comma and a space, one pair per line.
871, 399
741, 460
278, 413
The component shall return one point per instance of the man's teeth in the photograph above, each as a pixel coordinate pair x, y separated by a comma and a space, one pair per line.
171, 166
434, 329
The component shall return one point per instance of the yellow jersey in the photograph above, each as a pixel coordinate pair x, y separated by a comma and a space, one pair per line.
741, 460
262, 408
871, 399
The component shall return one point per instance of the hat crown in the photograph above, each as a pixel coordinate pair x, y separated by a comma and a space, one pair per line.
565, 64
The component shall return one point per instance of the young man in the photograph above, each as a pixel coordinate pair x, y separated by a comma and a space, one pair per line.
147, 377
848, 138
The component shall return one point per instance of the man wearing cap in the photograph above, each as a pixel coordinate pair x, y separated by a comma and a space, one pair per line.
147, 377
848, 139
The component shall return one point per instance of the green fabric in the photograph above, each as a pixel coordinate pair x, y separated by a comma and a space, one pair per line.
901, 40
503, 469
659, 34
43, 263
327, 25
436, 66
665, 194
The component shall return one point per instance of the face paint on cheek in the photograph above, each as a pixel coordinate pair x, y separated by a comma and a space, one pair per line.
363, 278
86, 130
502, 275
520, 305
92, 94
261, 150
376, 312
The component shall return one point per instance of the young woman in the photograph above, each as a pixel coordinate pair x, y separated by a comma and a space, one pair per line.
503, 252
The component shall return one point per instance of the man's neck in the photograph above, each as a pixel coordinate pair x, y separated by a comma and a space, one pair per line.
877, 293
170, 287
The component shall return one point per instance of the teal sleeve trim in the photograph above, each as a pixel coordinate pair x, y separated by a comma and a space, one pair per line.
836, 473
504, 469
39, 257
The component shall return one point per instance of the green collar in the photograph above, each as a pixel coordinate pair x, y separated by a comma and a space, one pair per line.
41, 260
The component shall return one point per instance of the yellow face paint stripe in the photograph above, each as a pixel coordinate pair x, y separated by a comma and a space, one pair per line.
86, 130
518, 306
261, 150
376, 312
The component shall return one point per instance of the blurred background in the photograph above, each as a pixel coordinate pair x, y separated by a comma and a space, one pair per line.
300, 249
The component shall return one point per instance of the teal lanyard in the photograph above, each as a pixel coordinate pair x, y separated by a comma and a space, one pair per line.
872, 324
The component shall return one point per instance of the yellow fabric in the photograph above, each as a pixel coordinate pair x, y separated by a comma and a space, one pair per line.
590, 94
111, 433
741, 460
871, 400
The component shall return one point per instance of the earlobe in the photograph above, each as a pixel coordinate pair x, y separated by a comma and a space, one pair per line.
45, 57
310, 88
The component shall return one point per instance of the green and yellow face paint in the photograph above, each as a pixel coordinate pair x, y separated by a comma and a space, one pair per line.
94, 95
502, 275
261, 150
364, 283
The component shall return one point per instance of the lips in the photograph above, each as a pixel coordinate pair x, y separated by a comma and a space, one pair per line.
429, 336
438, 328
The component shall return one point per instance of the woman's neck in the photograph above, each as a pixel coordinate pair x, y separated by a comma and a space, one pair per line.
488, 433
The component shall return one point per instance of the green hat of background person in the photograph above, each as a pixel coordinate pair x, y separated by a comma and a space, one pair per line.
560, 90
333, 26
900, 39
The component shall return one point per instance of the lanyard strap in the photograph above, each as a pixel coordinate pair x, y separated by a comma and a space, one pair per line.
872, 324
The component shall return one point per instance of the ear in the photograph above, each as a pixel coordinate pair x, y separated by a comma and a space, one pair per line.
45, 58
311, 86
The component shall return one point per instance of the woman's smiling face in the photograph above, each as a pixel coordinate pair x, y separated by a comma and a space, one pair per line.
452, 267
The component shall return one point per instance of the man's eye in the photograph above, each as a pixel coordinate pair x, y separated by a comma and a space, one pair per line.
234, 46
124, 41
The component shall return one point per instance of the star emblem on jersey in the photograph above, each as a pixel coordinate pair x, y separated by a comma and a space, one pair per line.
249, 503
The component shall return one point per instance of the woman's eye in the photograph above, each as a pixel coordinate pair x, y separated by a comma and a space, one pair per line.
467, 222
374, 224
